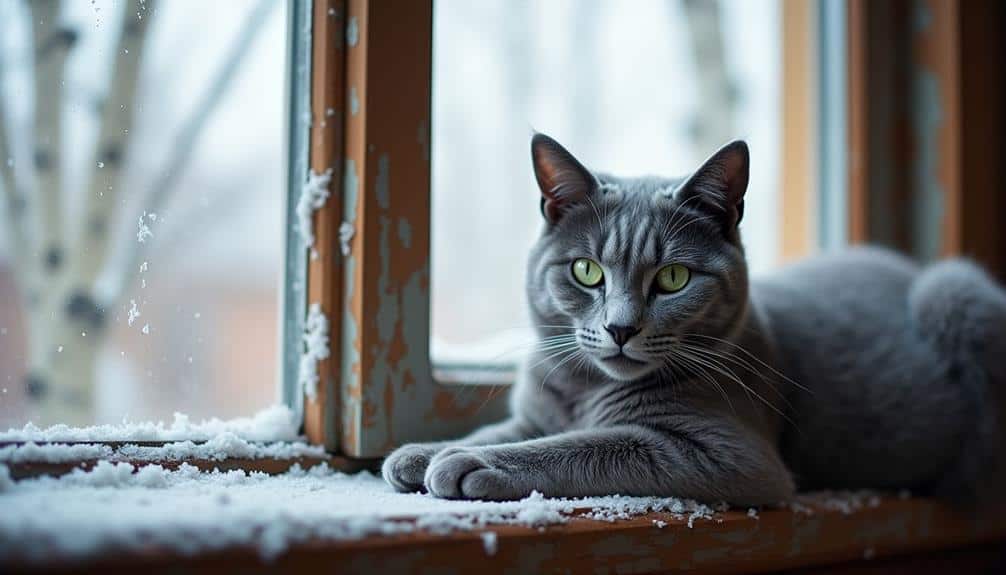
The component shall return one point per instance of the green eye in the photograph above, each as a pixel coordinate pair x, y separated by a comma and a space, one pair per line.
672, 278
587, 272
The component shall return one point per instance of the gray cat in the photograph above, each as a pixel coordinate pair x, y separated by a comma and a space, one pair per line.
661, 371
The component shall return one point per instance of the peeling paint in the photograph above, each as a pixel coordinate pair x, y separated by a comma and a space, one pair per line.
382, 187
387, 309
405, 232
350, 190
352, 32
389, 390
352, 390
354, 101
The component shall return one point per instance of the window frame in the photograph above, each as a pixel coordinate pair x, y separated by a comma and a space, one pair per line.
943, 47
379, 352
389, 391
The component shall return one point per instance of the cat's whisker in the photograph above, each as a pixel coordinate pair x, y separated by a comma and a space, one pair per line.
681, 228
742, 363
573, 354
571, 347
752, 356
690, 361
532, 344
748, 388
664, 230
600, 224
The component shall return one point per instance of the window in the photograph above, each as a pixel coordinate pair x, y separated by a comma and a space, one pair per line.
366, 113
388, 142
143, 150
645, 87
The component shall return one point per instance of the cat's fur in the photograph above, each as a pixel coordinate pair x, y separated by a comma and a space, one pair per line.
853, 370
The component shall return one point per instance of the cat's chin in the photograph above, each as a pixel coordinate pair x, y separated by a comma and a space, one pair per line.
624, 368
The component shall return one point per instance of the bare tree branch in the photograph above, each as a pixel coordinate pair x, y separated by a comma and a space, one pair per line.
117, 116
185, 142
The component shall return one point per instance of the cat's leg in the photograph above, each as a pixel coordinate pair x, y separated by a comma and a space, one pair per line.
961, 312
405, 467
715, 464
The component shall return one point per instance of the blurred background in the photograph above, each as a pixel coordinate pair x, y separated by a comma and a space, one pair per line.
124, 121
630, 88
143, 150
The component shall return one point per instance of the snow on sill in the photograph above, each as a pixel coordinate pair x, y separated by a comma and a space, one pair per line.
224, 446
116, 506
276, 423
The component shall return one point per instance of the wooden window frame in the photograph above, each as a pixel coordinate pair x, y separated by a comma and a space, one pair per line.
378, 389
380, 367
949, 45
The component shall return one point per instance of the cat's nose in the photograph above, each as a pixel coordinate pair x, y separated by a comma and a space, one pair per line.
621, 333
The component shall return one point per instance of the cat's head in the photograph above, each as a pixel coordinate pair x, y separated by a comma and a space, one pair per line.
636, 267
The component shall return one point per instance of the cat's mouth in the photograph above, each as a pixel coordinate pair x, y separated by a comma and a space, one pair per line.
624, 367
623, 359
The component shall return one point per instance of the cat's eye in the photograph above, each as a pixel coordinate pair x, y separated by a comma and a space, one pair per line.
587, 272
672, 278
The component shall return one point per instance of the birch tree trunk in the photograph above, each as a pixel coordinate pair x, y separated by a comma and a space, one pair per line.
78, 324
66, 312
713, 123
14, 197
44, 268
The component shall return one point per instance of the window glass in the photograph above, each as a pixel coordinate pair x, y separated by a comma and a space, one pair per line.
629, 87
144, 187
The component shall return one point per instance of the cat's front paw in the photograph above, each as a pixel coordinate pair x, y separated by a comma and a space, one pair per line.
406, 467
469, 473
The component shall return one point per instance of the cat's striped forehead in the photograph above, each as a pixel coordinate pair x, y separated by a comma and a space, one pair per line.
636, 222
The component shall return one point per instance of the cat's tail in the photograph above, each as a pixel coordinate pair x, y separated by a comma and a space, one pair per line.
961, 311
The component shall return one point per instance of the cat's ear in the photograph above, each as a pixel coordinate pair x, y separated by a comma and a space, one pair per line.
719, 185
563, 180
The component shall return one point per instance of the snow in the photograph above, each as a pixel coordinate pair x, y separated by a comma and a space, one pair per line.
313, 196
845, 502
346, 233
114, 507
133, 313
6, 483
224, 446
489, 542
276, 423
143, 232
352, 31
53, 453
315, 349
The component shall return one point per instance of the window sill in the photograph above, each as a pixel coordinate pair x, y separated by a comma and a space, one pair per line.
892, 533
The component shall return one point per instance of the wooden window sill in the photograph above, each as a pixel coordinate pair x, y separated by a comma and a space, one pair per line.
913, 535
